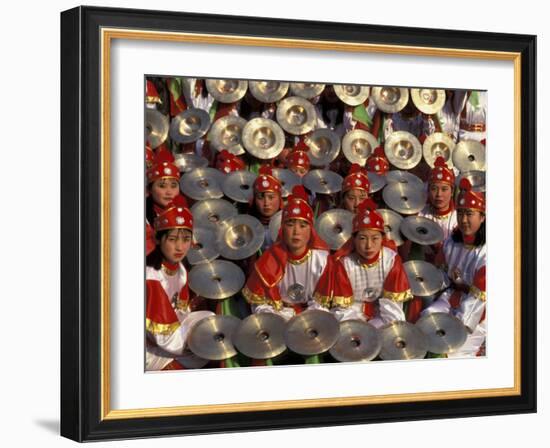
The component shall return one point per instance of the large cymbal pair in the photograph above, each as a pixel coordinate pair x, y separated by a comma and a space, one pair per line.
358, 341
240, 237
261, 336
437, 145
323, 181
390, 99
212, 213
288, 180
444, 333
296, 115
311, 332
428, 101
422, 230
403, 150
212, 337
392, 224
335, 227
476, 178
157, 126
239, 186
358, 145
424, 278
226, 133
226, 90
307, 90
352, 94
469, 155
188, 161
402, 340
324, 146
268, 91
202, 183
404, 198
263, 138
217, 280
189, 125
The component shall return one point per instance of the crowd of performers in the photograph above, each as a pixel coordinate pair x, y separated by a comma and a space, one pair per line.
364, 279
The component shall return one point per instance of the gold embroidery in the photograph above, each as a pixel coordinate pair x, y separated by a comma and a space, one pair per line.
301, 260
182, 305
398, 296
478, 293
370, 265
322, 300
264, 281
256, 299
157, 328
342, 301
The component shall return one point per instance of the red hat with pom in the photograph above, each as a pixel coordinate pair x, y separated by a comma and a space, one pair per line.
151, 94
266, 181
468, 198
356, 179
228, 162
176, 216
367, 217
298, 158
442, 173
163, 167
297, 206
377, 162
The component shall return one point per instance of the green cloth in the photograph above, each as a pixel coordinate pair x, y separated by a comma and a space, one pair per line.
360, 114
474, 98
313, 359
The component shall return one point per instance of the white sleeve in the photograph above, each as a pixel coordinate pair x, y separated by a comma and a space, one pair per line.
390, 310
470, 311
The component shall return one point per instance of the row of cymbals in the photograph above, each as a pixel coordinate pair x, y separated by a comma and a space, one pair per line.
264, 138
313, 332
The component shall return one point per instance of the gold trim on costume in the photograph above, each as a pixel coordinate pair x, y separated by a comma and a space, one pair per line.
167, 271
153, 99
182, 305
342, 301
264, 281
256, 299
301, 260
398, 296
478, 293
157, 328
322, 300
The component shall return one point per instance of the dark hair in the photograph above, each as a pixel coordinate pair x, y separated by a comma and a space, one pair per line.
149, 210
479, 239
155, 258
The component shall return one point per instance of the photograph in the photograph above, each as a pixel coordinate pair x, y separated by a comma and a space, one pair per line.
297, 223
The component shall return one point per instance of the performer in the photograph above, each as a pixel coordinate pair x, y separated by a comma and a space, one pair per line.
267, 200
162, 187
296, 272
377, 162
463, 259
448, 118
373, 273
409, 119
298, 162
440, 207
355, 188
169, 315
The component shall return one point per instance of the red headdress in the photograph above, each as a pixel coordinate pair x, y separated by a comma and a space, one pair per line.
266, 181
468, 198
356, 179
176, 216
377, 162
298, 158
442, 173
297, 206
228, 162
151, 94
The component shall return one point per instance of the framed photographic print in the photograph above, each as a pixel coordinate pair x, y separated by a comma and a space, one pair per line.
275, 223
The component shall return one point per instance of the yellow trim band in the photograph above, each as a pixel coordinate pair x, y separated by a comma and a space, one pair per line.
478, 293
156, 328
322, 300
398, 296
342, 301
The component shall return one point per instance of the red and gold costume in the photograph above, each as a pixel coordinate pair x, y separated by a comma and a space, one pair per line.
278, 275
356, 179
168, 318
267, 183
374, 289
298, 158
446, 219
464, 266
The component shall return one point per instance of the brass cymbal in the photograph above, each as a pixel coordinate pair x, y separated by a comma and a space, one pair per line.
217, 280
392, 223
212, 213
226, 90
203, 249
403, 150
444, 333
390, 99
312, 332
212, 338
422, 230
476, 178
424, 278
261, 336
263, 138
288, 180
202, 183
324, 146
189, 125
189, 161
238, 186
226, 133
335, 227
306, 90
240, 237
358, 145
268, 91
404, 177
403, 340
437, 145
428, 101
404, 198
323, 181
156, 127
469, 155
296, 115
377, 182
352, 94
358, 341
275, 225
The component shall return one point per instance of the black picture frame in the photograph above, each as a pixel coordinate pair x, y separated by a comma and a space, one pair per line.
82, 398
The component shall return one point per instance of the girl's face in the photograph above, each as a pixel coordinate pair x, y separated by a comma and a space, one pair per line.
296, 234
469, 221
368, 243
439, 195
175, 244
267, 203
352, 199
299, 170
163, 191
